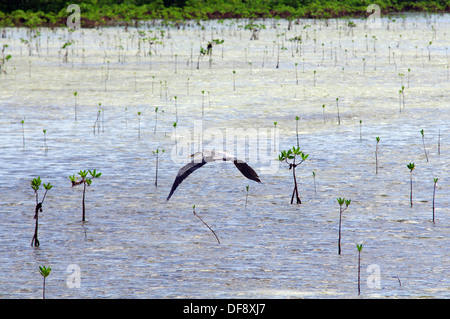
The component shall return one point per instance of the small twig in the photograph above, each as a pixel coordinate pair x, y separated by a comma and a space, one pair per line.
399, 282
195, 214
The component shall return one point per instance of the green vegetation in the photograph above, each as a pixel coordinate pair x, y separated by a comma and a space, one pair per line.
292, 154
434, 193
45, 272
157, 153
411, 167
359, 247
32, 13
85, 180
341, 202
423, 142
35, 184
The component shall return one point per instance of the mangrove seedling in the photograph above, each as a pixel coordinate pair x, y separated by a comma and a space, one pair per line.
296, 129
275, 134
35, 184
359, 247
139, 124
202, 53
292, 154
364, 68
323, 111
86, 181
97, 122
45, 272
423, 142
4, 59
23, 134
337, 107
434, 193
403, 96
75, 94
411, 168
314, 179
409, 71
45, 140
156, 118
195, 214
176, 108
175, 131
376, 154
203, 103
360, 130
234, 80
246, 196
341, 202
156, 153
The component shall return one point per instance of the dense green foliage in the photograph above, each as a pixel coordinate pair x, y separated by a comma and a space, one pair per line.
104, 12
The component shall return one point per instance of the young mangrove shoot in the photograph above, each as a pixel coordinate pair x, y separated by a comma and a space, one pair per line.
86, 181
359, 247
337, 107
175, 132
139, 124
156, 118
45, 140
376, 155
360, 130
75, 94
156, 153
246, 196
323, 111
45, 272
35, 184
411, 168
341, 202
434, 193
314, 179
423, 142
292, 154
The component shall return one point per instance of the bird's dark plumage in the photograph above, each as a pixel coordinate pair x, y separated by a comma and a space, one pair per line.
201, 158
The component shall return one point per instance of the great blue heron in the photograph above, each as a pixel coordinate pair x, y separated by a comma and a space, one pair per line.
201, 158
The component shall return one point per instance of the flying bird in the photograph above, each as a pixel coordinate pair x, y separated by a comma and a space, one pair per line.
201, 158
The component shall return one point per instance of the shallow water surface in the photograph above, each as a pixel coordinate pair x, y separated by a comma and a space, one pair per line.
134, 244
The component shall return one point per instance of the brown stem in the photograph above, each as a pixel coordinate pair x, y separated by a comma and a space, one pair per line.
434, 193
207, 226
359, 273
411, 191
295, 192
82, 202
339, 240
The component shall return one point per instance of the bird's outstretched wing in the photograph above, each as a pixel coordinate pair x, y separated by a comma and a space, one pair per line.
201, 159
183, 173
246, 170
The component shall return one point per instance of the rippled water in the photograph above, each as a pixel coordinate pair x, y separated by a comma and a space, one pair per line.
136, 245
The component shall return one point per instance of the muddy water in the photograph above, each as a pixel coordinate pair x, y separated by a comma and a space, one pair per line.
134, 244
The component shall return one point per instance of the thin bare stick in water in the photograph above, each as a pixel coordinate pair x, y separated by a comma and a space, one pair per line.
195, 214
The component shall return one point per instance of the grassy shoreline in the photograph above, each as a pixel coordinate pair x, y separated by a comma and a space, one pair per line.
127, 14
